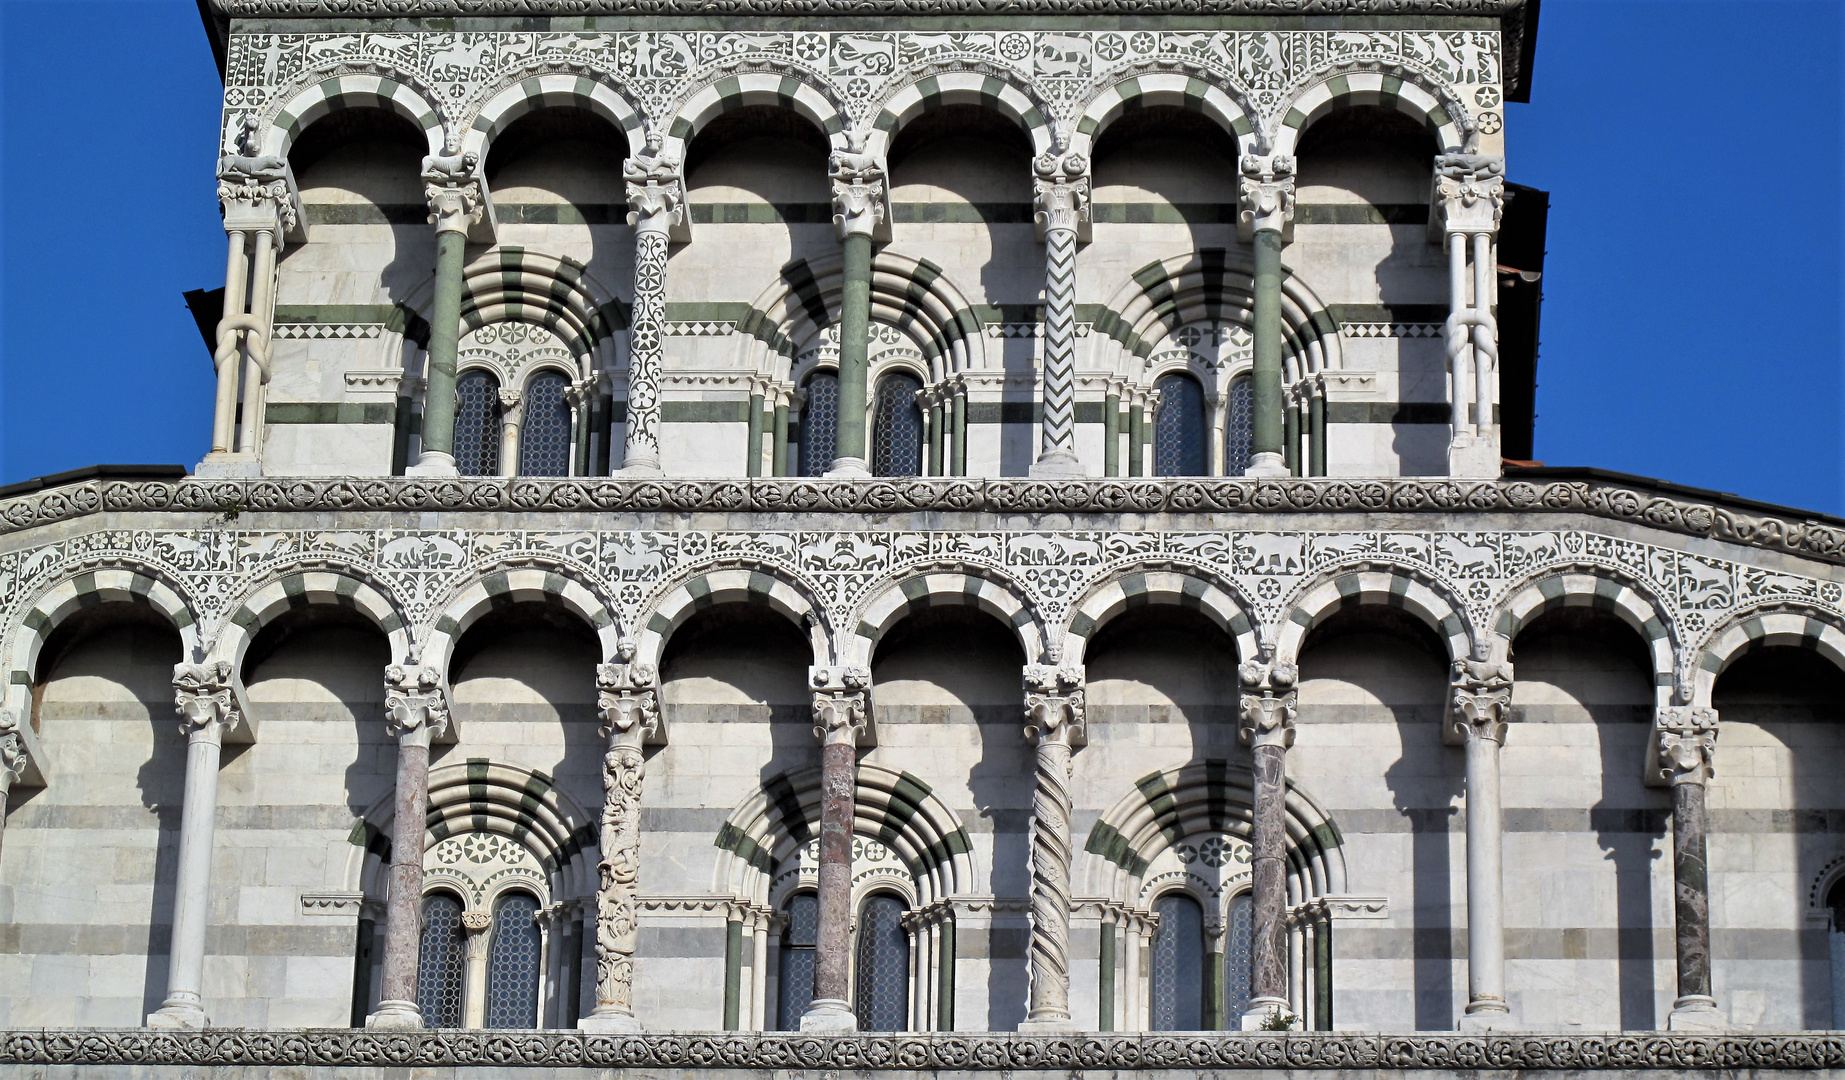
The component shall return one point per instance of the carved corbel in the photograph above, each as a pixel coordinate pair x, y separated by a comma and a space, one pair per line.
1265, 196
1480, 698
628, 698
415, 701
842, 704
656, 194
1269, 704
1467, 195
1061, 185
861, 196
457, 194
1683, 748
1054, 700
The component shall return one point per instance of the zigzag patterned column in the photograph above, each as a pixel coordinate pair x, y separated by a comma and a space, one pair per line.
656, 201
630, 717
1054, 722
1266, 725
416, 713
1685, 742
1063, 207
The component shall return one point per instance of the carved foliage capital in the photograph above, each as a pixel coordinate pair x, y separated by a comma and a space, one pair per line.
1266, 191
1480, 695
1269, 704
841, 702
1062, 186
656, 191
628, 698
12, 749
1685, 738
1054, 700
204, 698
1469, 192
414, 700
858, 187
451, 183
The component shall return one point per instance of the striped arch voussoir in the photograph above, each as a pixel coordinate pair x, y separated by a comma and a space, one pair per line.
522, 585
1132, 590
324, 588
1602, 593
86, 590
342, 92
782, 90
792, 599
1163, 89
964, 88
530, 92
513, 284
1446, 120
917, 593
1388, 588
1759, 630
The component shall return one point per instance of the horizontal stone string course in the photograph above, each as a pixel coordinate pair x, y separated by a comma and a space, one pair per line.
1803, 537
969, 1053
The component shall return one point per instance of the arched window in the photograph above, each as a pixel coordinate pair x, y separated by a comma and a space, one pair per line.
883, 963
797, 960
442, 962
512, 963
1178, 435
1238, 432
1236, 957
1835, 937
820, 423
1178, 965
477, 424
544, 434
896, 427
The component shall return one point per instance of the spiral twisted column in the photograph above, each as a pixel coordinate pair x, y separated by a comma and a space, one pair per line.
416, 712
1054, 724
1266, 726
1062, 209
1684, 746
841, 701
628, 699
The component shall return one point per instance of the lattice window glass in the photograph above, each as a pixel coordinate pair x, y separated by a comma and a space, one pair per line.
1239, 431
883, 963
512, 963
1236, 956
544, 435
1179, 447
897, 427
477, 424
819, 423
441, 968
1178, 965
797, 960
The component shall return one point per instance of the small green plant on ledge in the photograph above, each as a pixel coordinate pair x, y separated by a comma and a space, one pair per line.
1279, 1019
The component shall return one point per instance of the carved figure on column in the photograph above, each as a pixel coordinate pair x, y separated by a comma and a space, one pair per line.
1684, 747
656, 203
1062, 186
858, 179
858, 187
1266, 725
1469, 192
1265, 193
1480, 694
628, 699
451, 184
1266, 198
415, 713
840, 707
12, 759
1054, 723
203, 696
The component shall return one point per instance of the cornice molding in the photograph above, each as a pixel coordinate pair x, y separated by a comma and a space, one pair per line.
1807, 537
401, 9
950, 1052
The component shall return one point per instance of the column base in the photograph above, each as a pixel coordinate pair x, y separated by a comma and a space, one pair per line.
1474, 456
640, 469
610, 1023
228, 467
1487, 1016
1266, 1013
1057, 465
1697, 1012
181, 1016
433, 463
1266, 464
848, 468
1048, 1025
829, 1014
395, 1016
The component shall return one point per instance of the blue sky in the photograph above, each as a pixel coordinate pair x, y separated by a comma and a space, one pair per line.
1691, 326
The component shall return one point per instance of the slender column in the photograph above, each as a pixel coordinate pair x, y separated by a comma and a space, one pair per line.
1137, 436
752, 459
474, 993
1482, 692
759, 972
1054, 723
12, 760
512, 418
416, 712
1460, 352
937, 416
457, 202
656, 203
259, 206
207, 704
1111, 431
959, 447
236, 279
1485, 335
1267, 216
1266, 726
778, 446
630, 706
858, 208
1105, 981
1062, 184
841, 700
945, 971
1316, 428
1291, 451
1685, 743
1467, 202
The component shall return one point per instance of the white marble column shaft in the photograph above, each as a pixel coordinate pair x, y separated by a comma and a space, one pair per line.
1481, 698
1055, 726
629, 701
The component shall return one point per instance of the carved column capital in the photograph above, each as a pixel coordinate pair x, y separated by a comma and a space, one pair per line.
12, 750
510, 397
204, 698
1269, 704
858, 188
1469, 193
628, 699
1054, 699
656, 192
1685, 742
1480, 696
414, 700
841, 703
451, 183
1266, 192
1061, 184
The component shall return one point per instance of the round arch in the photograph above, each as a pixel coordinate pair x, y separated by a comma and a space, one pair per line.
1821, 631
984, 89
789, 87
1153, 89
1392, 587
65, 597
326, 588
1591, 588
771, 586
1408, 92
919, 590
515, 585
525, 92
337, 92
1190, 587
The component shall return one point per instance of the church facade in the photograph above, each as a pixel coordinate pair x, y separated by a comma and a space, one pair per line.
873, 536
